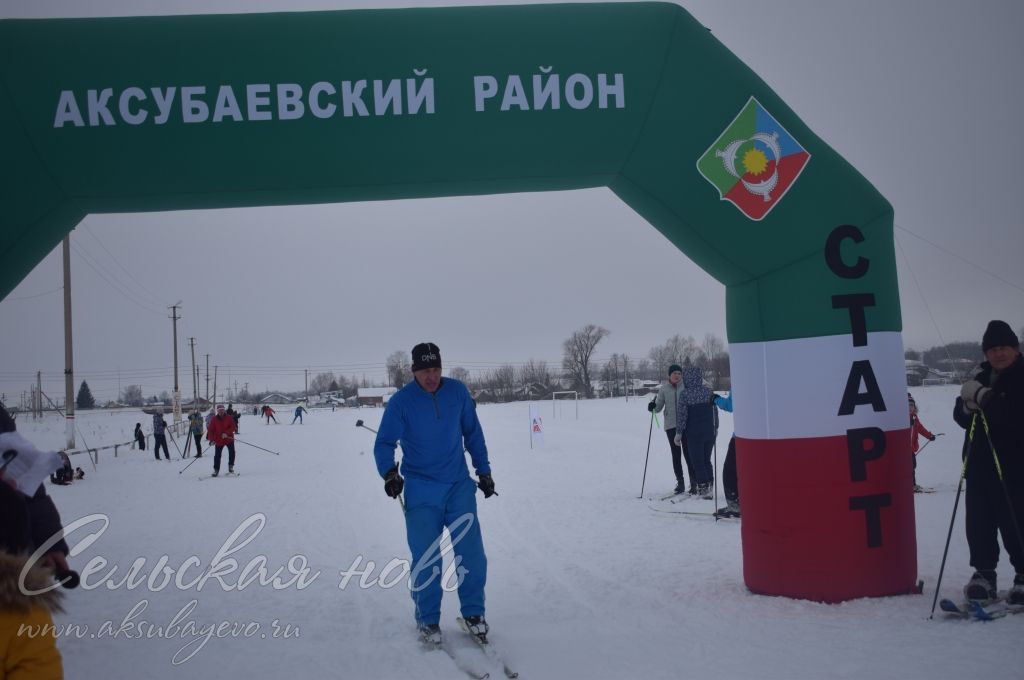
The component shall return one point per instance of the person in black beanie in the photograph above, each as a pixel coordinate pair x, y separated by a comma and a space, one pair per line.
666, 399
991, 405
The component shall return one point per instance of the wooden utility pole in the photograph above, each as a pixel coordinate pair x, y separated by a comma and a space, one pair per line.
69, 370
176, 398
195, 377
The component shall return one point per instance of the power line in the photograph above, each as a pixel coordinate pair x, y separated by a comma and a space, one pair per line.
37, 295
962, 258
85, 256
155, 297
920, 292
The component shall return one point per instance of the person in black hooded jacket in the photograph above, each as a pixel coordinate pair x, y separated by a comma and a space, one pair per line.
697, 417
991, 409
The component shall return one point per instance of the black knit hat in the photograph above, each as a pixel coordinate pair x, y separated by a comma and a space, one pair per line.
998, 334
673, 368
425, 355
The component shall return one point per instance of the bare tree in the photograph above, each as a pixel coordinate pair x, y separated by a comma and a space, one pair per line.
132, 395
399, 368
613, 374
504, 382
716, 360
322, 382
460, 374
576, 353
676, 350
536, 373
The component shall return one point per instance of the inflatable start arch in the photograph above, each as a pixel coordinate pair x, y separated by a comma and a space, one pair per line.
169, 113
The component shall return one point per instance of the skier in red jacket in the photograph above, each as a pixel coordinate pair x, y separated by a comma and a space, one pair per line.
221, 433
916, 431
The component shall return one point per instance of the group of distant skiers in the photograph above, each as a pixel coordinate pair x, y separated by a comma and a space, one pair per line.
691, 425
219, 433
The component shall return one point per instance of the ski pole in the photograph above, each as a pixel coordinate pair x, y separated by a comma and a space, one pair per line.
929, 442
716, 475
400, 497
181, 456
187, 466
257, 447
956, 503
647, 457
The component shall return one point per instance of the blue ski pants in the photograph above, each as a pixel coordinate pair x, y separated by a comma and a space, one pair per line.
700, 451
429, 507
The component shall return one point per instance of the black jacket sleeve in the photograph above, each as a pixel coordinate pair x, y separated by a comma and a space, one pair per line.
960, 414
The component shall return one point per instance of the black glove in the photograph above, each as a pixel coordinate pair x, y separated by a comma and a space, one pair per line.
69, 579
486, 484
651, 406
393, 483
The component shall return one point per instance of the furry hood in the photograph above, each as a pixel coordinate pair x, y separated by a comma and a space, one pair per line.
11, 596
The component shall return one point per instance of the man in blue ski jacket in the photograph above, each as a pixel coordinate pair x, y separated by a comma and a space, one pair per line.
435, 421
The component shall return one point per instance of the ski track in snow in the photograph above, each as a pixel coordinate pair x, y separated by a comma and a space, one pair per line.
584, 580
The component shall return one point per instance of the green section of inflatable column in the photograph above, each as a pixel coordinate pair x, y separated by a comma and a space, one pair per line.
796, 301
779, 286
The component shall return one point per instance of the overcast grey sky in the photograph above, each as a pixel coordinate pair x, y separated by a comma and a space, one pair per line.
923, 98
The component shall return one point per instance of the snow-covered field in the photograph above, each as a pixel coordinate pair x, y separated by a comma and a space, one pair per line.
585, 580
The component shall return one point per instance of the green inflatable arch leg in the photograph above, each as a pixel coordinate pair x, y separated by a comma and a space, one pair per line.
169, 113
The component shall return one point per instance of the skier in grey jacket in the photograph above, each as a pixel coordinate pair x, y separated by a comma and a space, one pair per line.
666, 399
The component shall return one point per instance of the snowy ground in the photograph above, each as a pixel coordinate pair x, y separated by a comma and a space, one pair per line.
585, 579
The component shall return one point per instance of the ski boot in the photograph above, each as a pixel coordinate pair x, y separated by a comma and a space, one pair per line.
430, 634
1016, 594
477, 625
982, 586
731, 510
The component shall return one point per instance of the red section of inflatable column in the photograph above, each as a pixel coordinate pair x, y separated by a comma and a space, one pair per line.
811, 532
825, 468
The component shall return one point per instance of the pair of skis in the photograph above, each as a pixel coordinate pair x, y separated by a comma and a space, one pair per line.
492, 655
675, 506
980, 610
226, 474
